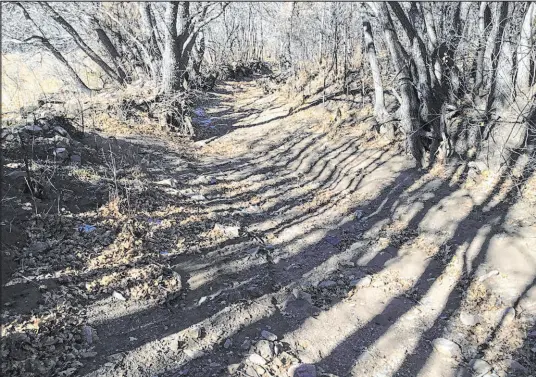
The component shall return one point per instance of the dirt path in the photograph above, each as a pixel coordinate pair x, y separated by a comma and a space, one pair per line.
353, 258
344, 213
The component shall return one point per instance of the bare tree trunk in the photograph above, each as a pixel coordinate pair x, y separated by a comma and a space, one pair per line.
430, 25
494, 42
379, 103
428, 103
199, 54
112, 51
335, 17
170, 60
524, 49
290, 31
261, 52
150, 29
479, 76
500, 19
437, 71
321, 44
409, 106
58, 55
504, 77
55, 52
80, 42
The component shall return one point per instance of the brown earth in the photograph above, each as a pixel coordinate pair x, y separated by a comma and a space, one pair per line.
330, 239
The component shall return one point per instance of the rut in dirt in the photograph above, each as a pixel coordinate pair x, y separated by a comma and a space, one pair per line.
280, 244
341, 231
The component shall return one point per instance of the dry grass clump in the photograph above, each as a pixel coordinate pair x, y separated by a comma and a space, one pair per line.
26, 78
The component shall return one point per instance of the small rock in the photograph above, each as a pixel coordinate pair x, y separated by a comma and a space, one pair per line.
230, 231
193, 354
38, 247
232, 369
174, 346
70, 371
88, 355
361, 283
246, 344
347, 264
167, 182
195, 332
468, 319
254, 250
202, 300
447, 347
265, 349
301, 295
488, 275
88, 334
61, 131
268, 335
33, 129
255, 291
299, 307
198, 197
4, 132
9, 137
61, 153
116, 357
118, 296
235, 296
228, 343
250, 371
257, 359
480, 367
302, 370
61, 141
327, 284
251, 210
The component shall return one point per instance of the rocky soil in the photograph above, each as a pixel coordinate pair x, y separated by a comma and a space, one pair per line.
278, 244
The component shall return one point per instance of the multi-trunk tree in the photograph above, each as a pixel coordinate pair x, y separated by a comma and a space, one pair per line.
434, 61
443, 62
160, 43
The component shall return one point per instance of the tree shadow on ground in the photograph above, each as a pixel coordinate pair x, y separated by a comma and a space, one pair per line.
234, 271
285, 181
